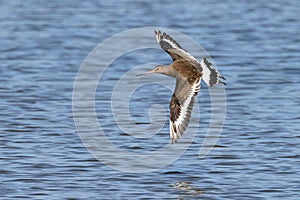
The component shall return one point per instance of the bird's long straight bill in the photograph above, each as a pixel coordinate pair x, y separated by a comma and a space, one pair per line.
146, 73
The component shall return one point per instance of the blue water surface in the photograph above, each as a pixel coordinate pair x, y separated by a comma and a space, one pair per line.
254, 44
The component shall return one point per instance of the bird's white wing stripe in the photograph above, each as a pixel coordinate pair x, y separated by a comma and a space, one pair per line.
173, 44
210, 75
176, 134
168, 39
184, 109
205, 72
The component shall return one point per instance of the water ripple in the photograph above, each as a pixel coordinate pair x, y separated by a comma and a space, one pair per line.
255, 45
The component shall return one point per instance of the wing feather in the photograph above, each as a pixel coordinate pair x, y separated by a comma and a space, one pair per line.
211, 76
172, 47
181, 106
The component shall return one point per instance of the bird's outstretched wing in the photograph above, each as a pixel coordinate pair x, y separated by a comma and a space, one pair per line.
211, 76
181, 106
172, 47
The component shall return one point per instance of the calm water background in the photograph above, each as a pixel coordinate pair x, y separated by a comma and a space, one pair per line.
255, 45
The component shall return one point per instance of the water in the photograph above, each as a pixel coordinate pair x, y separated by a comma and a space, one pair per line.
255, 45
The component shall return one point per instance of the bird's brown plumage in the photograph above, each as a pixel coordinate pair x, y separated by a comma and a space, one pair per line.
186, 70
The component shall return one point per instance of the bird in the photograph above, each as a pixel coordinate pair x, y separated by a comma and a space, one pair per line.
188, 72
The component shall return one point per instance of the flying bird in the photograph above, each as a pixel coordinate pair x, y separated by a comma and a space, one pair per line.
188, 72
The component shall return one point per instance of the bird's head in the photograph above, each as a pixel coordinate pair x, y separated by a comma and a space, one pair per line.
158, 69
